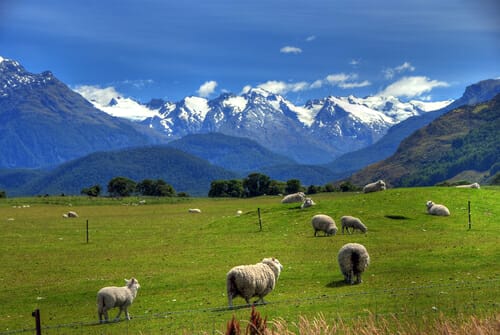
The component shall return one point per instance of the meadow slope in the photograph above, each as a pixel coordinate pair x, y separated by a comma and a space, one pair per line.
421, 265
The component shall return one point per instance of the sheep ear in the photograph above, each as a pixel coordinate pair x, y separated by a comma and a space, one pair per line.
126, 280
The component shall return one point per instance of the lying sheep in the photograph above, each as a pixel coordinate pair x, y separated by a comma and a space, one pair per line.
70, 214
255, 280
324, 223
112, 296
294, 197
374, 187
436, 209
308, 202
352, 222
353, 260
194, 210
473, 185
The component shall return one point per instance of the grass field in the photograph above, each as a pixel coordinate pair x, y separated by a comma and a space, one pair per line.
421, 266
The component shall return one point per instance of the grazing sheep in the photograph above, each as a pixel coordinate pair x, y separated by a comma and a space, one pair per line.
112, 296
352, 222
473, 185
194, 210
70, 214
294, 197
435, 209
353, 260
255, 280
324, 223
308, 202
374, 187
239, 212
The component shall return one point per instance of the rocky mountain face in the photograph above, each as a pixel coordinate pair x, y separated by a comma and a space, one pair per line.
463, 139
44, 123
315, 133
387, 145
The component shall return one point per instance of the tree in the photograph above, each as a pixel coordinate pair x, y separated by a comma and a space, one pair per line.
256, 184
93, 191
293, 186
276, 187
121, 187
3, 194
226, 188
156, 188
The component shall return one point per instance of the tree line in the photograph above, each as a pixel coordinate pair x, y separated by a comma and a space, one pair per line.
257, 184
124, 187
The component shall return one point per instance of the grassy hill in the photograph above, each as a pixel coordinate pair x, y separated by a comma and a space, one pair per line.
421, 266
184, 172
461, 140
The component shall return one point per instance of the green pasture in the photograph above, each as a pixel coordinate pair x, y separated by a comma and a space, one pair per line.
421, 265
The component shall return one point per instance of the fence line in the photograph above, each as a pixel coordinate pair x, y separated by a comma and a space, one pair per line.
394, 292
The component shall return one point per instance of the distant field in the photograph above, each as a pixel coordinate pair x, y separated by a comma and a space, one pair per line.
422, 266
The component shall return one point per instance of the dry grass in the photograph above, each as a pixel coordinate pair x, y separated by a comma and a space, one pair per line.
372, 325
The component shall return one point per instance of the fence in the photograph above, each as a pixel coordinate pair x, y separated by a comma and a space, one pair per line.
414, 301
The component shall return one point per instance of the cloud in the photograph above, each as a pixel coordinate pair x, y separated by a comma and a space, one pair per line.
364, 83
411, 87
97, 94
310, 38
290, 50
354, 62
207, 88
341, 80
389, 73
281, 87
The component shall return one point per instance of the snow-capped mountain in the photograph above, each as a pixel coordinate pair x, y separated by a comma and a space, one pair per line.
313, 133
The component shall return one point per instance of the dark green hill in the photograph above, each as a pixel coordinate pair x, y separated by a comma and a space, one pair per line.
464, 139
184, 172
232, 153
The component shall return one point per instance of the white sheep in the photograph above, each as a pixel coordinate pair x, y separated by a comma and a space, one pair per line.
308, 202
353, 260
374, 187
352, 222
255, 280
194, 210
473, 185
324, 223
70, 214
294, 197
112, 296
436, 209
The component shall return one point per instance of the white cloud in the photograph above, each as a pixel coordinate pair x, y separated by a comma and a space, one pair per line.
207, 88
364, 83
290, 50
245, 89
281, 87
354, 62
389, 73
310, 38
411, 87
101, 96
335, 79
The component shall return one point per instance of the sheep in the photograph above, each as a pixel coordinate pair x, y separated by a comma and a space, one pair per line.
194, 210
112, 296
436, 209
255, 280
374, 187
294, 197
308, 202
70, 214
239, 212
473, 185
324, 223
352, 222
353, 260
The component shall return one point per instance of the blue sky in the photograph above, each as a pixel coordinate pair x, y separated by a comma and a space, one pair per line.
416, 49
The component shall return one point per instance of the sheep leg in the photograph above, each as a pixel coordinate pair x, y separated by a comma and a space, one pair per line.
358, 279
117, 318
126, 313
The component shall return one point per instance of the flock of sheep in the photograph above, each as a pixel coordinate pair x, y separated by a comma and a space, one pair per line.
258, 280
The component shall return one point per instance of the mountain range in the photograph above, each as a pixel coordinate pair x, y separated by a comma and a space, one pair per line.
47, 127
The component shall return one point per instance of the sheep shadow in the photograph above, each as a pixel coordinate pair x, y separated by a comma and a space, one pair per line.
397, 217
338, 283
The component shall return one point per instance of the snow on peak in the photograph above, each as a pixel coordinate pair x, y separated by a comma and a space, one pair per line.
431, 106
197, 105
360, 111
236, 103
1, 59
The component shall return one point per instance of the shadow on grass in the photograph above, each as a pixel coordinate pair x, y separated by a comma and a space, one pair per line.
397, 217
337, 283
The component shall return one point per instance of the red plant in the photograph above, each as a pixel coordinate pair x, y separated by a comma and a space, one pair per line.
256, 326
233, 327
